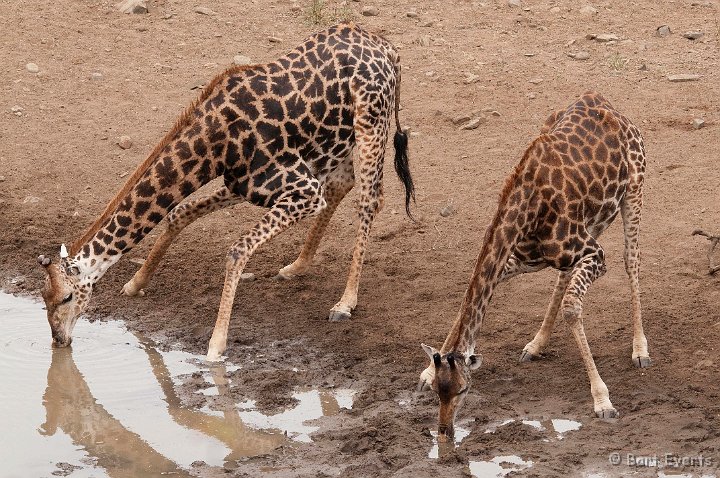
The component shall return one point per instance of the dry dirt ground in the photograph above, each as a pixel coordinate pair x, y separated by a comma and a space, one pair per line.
60, 164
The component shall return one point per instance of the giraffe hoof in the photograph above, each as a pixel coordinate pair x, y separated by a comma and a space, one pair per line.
130, 291
338, 316
526, 356
642, 362
608, 413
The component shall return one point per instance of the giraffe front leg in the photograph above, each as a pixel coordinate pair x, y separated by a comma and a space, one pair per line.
533, 348
588, 269
180, 217
284, 213
336, 187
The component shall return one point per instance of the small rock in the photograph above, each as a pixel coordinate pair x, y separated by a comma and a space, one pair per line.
412, 14
704, 363
459, 119
580, 55
514, 3
274, 39
17, 110
123, 174
247, 276
531, 96
663, 31
204, 11
2, 178
448, 209
588, 10
535, 81
133, 6
495, 113
471, 78
474, 123
124, 142
241, 60
168, 16
31, 200
698, 123
295, 8
555, 10
424, 41
32, 68
693, 35
96, 76
604, 37
427, 24
683, 77
370, 11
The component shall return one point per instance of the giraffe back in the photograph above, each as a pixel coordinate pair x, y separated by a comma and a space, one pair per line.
268, 125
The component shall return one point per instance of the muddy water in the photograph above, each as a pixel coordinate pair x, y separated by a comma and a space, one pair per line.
107, 406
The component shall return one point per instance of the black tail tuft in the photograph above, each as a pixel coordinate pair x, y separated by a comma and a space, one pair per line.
402, 168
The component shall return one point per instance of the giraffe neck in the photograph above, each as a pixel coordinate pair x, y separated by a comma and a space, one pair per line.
507, 228
178, 166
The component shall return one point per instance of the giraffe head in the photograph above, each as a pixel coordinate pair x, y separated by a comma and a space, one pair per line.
449, 376
65, 296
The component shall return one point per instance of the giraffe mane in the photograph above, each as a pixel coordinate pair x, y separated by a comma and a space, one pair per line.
185, 118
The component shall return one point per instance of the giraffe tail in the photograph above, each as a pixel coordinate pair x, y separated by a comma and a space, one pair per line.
402, 164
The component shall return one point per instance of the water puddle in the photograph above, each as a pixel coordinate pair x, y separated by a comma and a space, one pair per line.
499, 466
109, 407
561, 426
460, 434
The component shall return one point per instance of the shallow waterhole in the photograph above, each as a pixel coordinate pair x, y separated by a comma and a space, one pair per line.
108, 405
502, 465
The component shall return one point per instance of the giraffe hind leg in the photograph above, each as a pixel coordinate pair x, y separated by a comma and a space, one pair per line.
370, 139
630, 210
180, 217
336, 187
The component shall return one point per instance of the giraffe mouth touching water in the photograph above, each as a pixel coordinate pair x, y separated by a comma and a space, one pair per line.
293, 136
586, 167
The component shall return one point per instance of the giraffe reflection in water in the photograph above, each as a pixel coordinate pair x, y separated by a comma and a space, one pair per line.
71, 407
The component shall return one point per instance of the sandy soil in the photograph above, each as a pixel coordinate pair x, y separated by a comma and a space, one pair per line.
60, 164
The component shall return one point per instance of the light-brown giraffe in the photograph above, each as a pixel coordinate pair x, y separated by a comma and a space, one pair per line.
586, 166
290, 136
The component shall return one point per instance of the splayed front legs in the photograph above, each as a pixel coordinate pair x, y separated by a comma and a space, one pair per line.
287, 211
533, 349
180, 217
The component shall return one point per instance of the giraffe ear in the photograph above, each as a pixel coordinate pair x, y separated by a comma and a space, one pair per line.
430, 351
473, 361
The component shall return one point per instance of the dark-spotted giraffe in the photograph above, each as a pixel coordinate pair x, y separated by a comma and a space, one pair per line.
586, 166
291, 136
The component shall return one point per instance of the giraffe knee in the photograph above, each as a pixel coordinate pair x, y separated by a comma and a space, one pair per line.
571, 310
